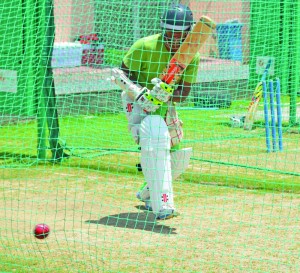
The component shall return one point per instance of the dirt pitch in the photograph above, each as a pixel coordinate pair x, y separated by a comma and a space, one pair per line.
97, 225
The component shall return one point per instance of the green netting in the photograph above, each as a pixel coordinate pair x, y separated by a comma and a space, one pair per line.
68, 160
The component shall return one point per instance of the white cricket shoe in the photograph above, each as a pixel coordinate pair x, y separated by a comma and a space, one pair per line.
148, 205
144, 196
138, 196
165, 214
147, 202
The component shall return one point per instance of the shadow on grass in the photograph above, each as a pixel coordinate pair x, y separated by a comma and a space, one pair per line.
132, 220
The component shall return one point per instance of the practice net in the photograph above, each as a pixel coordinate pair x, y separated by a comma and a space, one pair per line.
68, 160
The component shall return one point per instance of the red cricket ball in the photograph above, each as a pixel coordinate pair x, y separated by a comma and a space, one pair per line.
41, 231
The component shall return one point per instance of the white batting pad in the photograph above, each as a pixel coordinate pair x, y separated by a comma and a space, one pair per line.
133, 111
156, 161
134, 115
179, 161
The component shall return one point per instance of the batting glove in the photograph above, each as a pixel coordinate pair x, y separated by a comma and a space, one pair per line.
161, 90
147, 102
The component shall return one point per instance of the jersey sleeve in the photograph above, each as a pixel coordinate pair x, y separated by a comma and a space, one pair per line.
133, 57
191, 72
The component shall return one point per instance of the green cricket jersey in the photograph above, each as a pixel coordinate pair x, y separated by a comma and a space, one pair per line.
148, 57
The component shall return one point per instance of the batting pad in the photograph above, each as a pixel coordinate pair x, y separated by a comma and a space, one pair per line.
156, 161
179, 161
134, 115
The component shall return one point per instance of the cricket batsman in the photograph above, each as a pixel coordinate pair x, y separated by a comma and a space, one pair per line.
149, 105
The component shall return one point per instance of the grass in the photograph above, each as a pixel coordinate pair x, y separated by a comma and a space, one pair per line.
103, 143
239, 205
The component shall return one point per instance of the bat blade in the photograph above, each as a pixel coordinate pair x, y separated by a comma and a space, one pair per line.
252, 109
188, 49
257, 95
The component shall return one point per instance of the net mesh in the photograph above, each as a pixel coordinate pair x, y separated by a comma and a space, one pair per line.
68, 160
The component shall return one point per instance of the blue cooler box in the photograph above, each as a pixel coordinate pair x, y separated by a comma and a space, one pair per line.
230, 41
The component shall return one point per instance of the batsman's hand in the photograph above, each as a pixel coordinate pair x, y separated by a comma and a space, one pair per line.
161, 90
147, 102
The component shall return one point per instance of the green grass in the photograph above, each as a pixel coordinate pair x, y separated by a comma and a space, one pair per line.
102, 143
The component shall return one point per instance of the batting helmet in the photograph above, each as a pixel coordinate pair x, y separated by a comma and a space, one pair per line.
178, 17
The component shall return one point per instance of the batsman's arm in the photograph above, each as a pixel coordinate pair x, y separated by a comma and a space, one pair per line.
127, 72
187, 79
179, 95
182, 92
141, 95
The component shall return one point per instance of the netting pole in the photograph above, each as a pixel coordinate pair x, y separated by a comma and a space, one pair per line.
33, 22
48, 116
41, 131
294, 45
41, 50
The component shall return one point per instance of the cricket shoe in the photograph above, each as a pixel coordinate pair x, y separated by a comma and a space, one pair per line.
144, 195
165, 214
146, 201
148, 205
138, 196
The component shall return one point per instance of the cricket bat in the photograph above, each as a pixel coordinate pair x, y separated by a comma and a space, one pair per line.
257, 95
188, 49
178, 63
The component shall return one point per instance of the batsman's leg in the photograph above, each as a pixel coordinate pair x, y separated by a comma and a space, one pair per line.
179, 161
156, 164
134, 115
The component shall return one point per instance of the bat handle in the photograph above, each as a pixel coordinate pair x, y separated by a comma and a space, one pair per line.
174, 68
